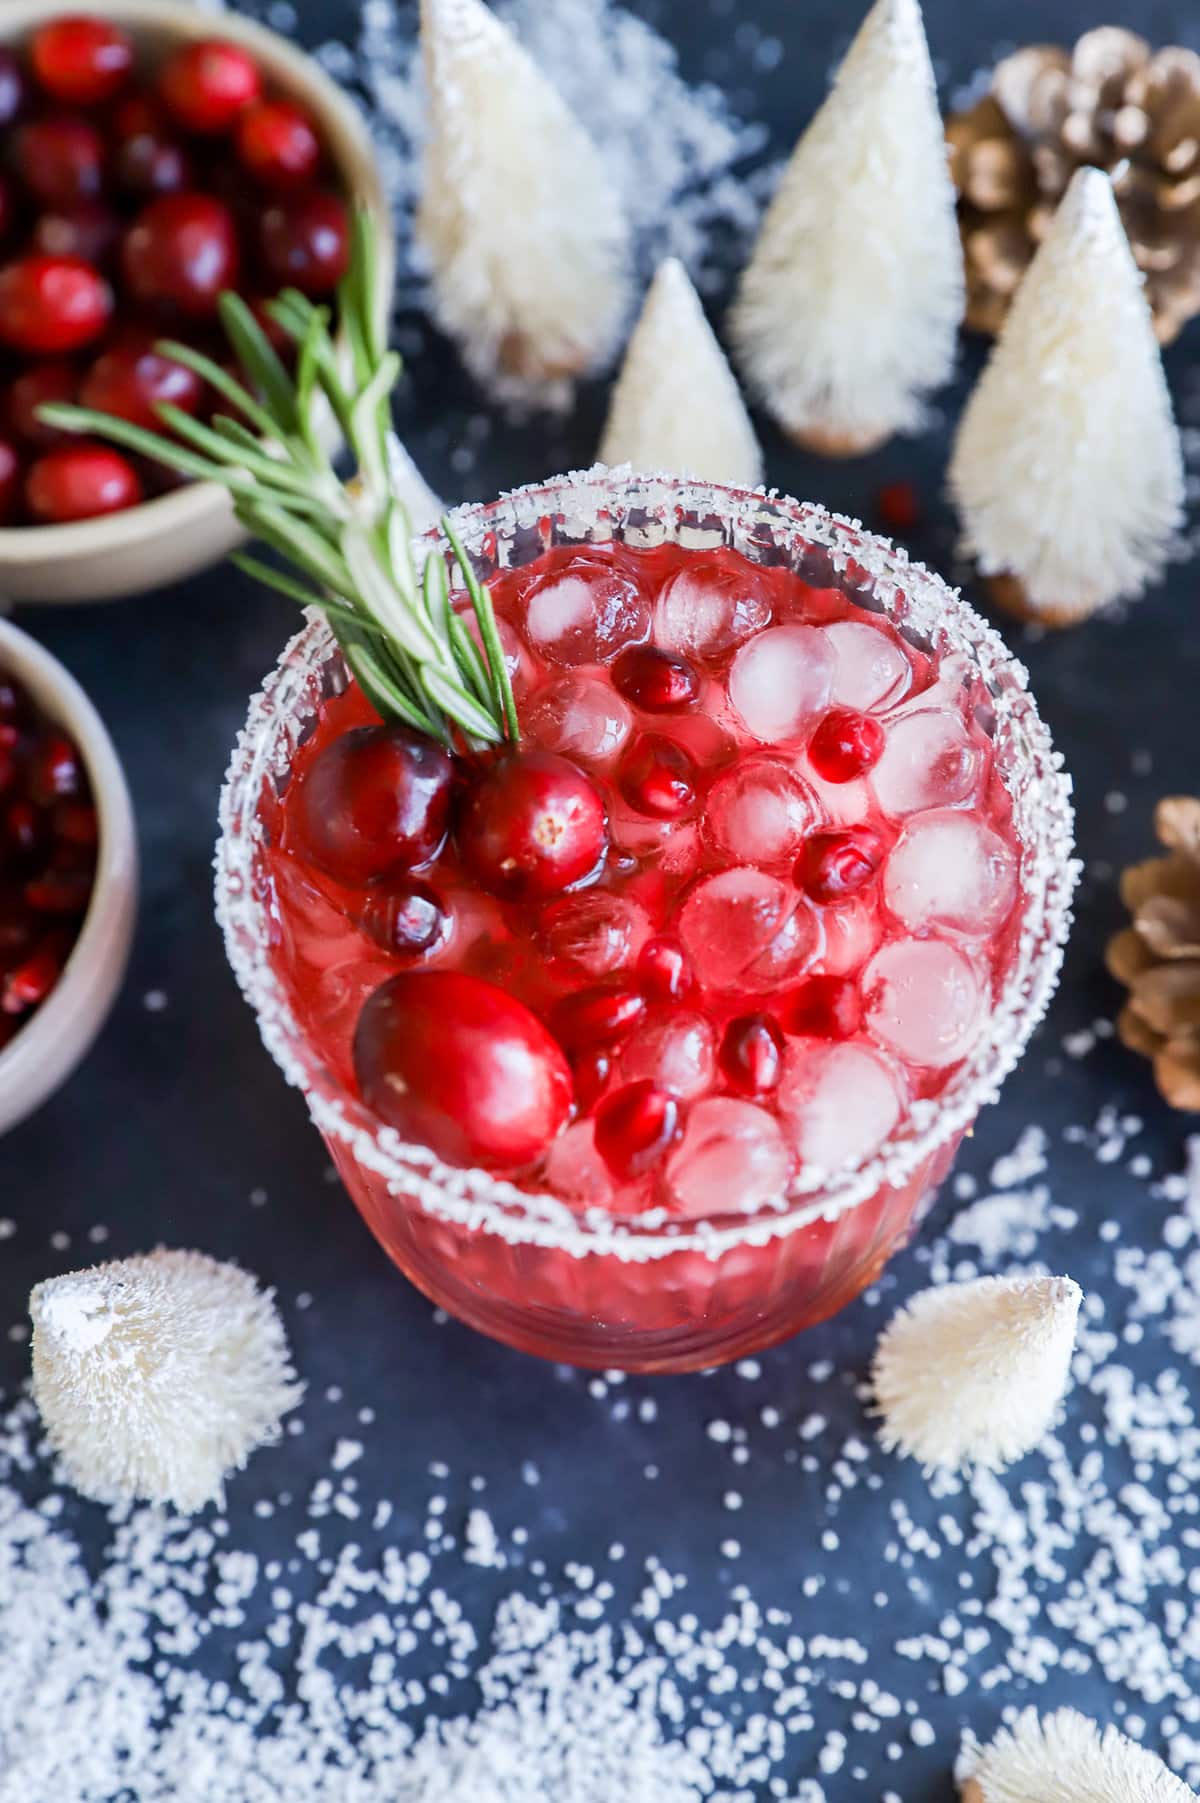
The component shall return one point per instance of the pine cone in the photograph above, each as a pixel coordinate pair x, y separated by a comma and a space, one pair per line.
1111, 103
1158, 957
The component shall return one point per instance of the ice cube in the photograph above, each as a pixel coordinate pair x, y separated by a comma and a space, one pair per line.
760, 811
575, 1171
595, 932
872, 671
924, 1000
516, 658
584, 613
675, 1048
746, 929
839, 1103
839, 804
732, 1158
949, 870
852, 930
579, 716
781, 681
704, 613
929, 761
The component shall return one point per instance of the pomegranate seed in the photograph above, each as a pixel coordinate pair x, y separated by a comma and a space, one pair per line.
408, 919
52, 304
658, 777
22, 830
837, 864
31, 981
132, 380
306, 242
10, 481
454, 1063
604, 1015
665, 970
206, 85
76, 824
181, 253
751, 1055
60, 159
531, 825
81, 60
845, 745
35, 388
898, 505
656, 681
635, 1128
80, 482
149, 163
59, 892
277, 144
376, 801
90, 232
55, 772
592, 1071
824, 1007
13, 91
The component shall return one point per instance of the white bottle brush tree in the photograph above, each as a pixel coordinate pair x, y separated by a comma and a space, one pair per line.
1067, 469
848, 312
523, 230
1065, 1758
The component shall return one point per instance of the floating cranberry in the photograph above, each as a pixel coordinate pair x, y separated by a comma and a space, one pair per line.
60, 159
79, 482
150, 162
751, 1055
635, 1128
824, 1007
656, 681
89, 231
306, 242
132, 379
604, 1015
408, 919
10, 484
374, 802
55, 772
531, 825
834, 865
52, 304
35, 388
658, 777
206, 85
665, 970
277, 144
845, 745
14, 92
592, 1070
81, 60
454, 1063
181, 253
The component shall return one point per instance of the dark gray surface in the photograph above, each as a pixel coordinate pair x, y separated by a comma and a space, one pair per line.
179, 1116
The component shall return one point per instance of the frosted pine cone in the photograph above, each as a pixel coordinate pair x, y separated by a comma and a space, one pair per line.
1158, 957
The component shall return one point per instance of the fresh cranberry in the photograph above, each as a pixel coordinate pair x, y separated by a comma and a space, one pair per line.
181, 253
52, 304
898, 505
59, 892
55, 772
89, 231
38, 387
531, 825
10, 483
665, 970
845, 745
81, 60
8, 208
150, 162
658, 777
635, 1128
14, 702
23, 834
373, 802
408, 918
836, 864
30, 982
592, 1070
656, 681
14, 92
132, 379
282, 342
454, 1063
60, 159
604, 1015
824, 1007
306, 242
79, 482
751, 1055
206, 85
277, 144
75, 823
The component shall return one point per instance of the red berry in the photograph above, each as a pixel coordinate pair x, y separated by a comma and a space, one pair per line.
454, 1063
81, 60
55, 772
604, 1015
658, 777
834, 865
76, 824
845, 745
59, 892
38, 387
374, 802
149, 163
824, 1007
306, 242
10, 486
899, 506
22, 831
592, 1070
665, 970
30, 982
89, 231
60, 159
206, 85
181, 253
407, 919
276, 142
79, 482
8, 208
635, 1127
13, 89
751, 1054
656, 681
132, 379
52, 304
531, 825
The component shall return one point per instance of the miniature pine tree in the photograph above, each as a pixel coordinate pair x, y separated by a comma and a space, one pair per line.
676, 406
1067, 470
157, 1376
848, 312
1065, 1758
524, 233
972, 1373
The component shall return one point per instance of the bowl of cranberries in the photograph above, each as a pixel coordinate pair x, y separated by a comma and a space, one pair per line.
68, 874
643, 1041
150, 157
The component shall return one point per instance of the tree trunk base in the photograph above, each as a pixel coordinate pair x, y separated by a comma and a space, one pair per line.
1008, 592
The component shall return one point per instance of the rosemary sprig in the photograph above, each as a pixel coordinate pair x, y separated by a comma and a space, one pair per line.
348, 542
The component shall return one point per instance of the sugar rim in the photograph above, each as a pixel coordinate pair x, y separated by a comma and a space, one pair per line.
476, 1200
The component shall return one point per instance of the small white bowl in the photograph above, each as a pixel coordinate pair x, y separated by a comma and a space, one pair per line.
51, 1043
186, 530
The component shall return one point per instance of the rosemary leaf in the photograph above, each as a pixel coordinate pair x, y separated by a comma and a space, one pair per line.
258, 357
454, 700
222, 381
481, 601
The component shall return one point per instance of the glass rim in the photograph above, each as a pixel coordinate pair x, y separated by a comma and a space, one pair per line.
476, 1199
